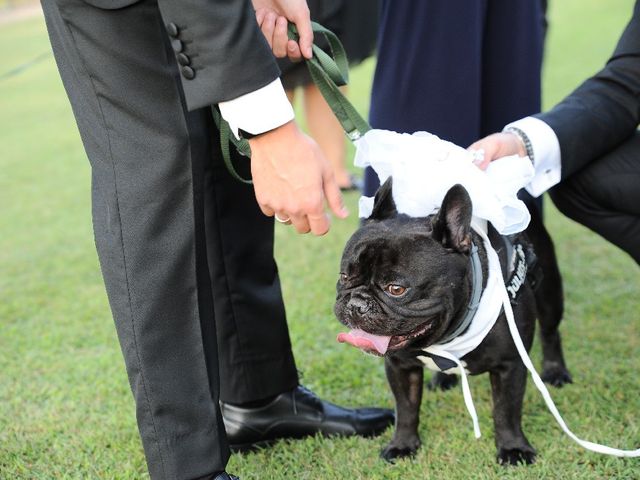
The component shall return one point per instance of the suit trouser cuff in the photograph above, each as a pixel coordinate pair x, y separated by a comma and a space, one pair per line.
254, 380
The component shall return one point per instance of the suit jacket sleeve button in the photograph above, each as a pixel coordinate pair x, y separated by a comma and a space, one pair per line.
172, 30
183, 59
188, 73
177, 45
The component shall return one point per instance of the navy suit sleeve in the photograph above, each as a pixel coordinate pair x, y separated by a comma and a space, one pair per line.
220, 48
604, 110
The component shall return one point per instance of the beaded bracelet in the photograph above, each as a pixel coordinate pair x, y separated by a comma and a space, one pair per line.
523, 138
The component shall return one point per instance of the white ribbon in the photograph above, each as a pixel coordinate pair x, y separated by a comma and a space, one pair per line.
513, 329
595, 447
466, 391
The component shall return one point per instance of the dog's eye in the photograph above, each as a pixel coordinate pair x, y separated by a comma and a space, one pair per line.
343, 277
395, 290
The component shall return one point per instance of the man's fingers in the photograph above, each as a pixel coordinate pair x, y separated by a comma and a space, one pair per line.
282, 218
483, 164
268, 211
260, 14
479, 145
490, 149
293, 51
280, 38
300, 223
268, 26
483, 157
479, 157
303, 25
319, 224
334, 196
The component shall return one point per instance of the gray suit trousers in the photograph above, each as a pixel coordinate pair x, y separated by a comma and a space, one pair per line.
186, 255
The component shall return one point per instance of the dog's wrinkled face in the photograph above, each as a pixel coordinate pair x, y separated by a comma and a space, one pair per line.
402, 279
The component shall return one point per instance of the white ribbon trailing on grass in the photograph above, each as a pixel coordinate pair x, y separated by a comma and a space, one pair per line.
449, 353
594, 447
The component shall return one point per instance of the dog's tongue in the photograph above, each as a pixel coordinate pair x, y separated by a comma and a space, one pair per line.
366, 341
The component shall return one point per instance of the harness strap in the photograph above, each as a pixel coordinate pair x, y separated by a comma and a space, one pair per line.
328, 72
516, 270
519, 271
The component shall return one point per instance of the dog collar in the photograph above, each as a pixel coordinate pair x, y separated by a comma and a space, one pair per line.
476, 293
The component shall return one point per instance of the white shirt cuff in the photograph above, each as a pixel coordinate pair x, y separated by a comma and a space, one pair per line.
546, 154
258, 111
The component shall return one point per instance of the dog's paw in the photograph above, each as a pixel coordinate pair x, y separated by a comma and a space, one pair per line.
442, 381
394, 450
516, 456
556, 375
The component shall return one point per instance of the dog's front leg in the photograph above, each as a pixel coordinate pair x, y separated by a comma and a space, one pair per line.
406, 383
508, 385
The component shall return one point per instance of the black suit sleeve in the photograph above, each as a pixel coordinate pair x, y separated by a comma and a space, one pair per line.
221, 51
605, 109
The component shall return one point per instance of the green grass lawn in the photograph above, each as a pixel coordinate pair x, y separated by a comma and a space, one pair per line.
65, 406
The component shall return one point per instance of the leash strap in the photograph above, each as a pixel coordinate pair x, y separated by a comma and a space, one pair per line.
227, 137
328, 72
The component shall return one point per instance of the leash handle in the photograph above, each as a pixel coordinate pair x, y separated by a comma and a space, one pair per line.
328, 72
226, 137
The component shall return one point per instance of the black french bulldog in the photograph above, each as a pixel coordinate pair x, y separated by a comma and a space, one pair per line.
405, 284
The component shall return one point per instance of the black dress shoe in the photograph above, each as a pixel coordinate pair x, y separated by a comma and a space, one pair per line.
297, 414
218, 476
225, 476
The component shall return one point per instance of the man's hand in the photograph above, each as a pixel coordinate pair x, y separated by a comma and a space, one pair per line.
272, 17
497, 146
292, 179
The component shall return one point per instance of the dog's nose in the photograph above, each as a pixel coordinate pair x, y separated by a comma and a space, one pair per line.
359, 305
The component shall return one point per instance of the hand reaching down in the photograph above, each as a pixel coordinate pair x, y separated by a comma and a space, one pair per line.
292, 179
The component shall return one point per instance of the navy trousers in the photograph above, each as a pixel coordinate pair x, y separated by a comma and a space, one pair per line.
458, 69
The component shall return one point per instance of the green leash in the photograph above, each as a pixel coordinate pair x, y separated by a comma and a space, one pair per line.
328, 72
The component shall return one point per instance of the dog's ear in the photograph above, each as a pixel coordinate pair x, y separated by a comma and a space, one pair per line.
452, 224
383, 205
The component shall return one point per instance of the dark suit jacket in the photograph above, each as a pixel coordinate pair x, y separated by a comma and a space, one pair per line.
605, 109
221, 39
